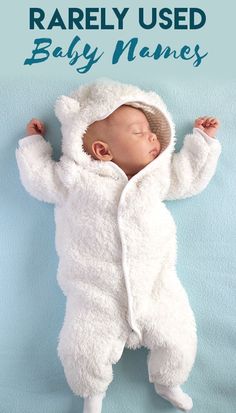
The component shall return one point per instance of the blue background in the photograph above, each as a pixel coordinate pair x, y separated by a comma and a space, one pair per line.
31, 303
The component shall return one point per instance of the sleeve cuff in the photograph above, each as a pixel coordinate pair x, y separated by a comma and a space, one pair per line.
208, 139
29, 139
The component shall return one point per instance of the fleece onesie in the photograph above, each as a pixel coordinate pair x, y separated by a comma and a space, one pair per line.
116, 239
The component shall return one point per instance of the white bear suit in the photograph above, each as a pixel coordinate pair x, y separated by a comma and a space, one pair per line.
116, 239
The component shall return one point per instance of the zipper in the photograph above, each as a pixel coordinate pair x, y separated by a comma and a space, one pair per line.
148, 168
125, 266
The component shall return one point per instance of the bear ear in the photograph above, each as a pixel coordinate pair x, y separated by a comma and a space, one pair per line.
66, 108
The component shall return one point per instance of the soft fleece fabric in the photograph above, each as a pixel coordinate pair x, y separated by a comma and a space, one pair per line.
116, 239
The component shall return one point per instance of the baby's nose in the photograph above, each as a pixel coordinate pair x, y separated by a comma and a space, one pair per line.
152, 137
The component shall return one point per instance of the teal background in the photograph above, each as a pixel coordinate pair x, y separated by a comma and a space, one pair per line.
31, 303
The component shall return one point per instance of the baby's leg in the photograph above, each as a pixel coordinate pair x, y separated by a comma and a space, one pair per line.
170, 334
164, 367
90, 342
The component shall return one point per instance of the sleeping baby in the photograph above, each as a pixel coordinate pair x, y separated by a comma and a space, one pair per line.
115, 238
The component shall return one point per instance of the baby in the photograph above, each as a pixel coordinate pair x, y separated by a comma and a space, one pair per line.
115, 238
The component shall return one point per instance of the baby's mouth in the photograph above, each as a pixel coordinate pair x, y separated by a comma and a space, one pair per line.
154, 152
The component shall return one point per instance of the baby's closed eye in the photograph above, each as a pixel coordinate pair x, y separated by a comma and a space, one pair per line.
142, 132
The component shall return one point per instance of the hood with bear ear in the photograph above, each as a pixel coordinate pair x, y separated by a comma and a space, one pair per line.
98, 100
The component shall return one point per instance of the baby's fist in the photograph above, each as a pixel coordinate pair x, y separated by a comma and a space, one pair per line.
35, 127
207, 124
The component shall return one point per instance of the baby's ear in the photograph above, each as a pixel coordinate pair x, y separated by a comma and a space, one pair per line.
66, 108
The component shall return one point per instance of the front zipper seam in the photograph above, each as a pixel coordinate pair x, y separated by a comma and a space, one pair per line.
125, 269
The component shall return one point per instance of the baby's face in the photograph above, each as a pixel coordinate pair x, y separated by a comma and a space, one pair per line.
128, 139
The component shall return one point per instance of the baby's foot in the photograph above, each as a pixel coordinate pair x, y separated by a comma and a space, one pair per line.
93, 404
175, 396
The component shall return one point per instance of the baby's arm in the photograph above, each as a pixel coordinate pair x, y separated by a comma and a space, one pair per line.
193, 167
37, 169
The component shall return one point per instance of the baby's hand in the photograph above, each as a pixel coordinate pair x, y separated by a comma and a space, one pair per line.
208, 124
35, 127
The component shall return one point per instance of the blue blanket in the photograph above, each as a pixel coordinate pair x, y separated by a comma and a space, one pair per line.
32, 305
